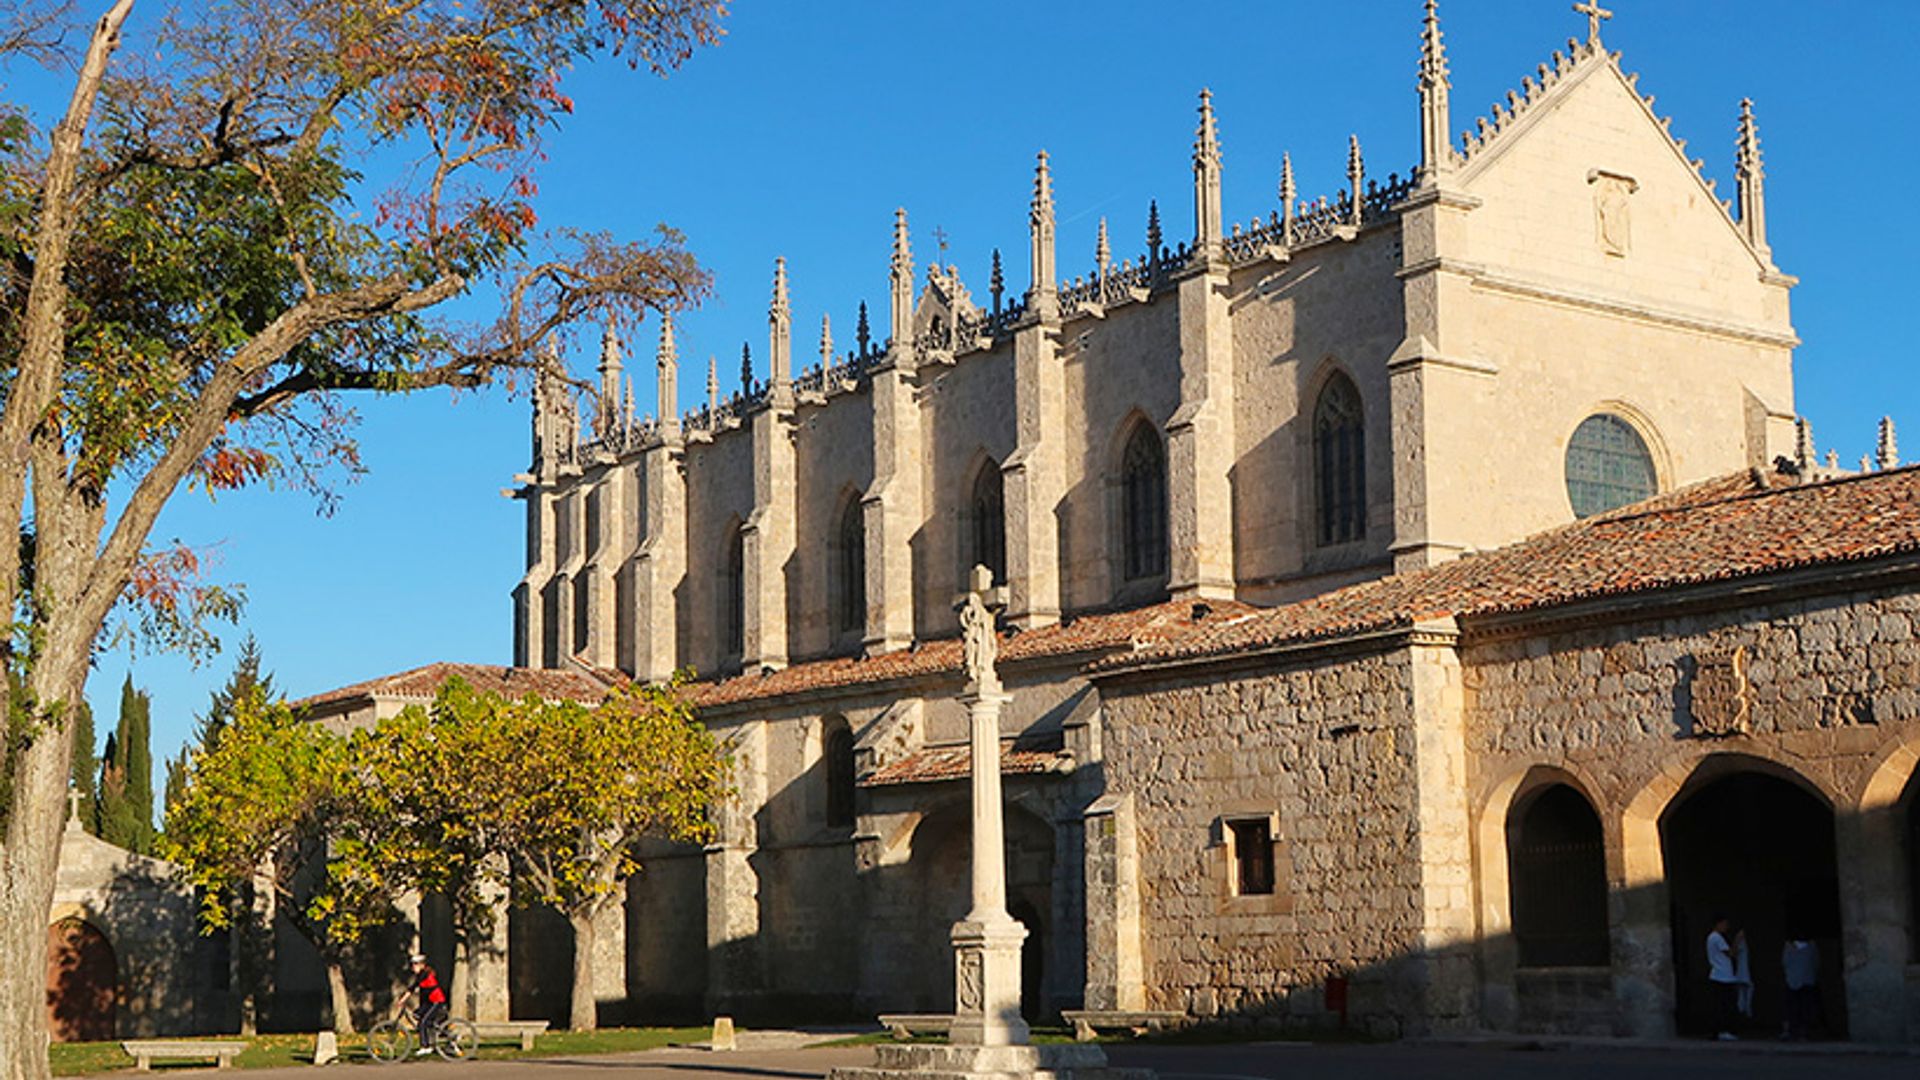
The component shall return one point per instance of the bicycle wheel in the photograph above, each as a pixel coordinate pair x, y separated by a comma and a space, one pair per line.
388, 1042
456, 1039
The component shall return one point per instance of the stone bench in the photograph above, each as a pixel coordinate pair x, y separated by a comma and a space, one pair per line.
509, 1030
1087, 1023
144, 1051
907, 1025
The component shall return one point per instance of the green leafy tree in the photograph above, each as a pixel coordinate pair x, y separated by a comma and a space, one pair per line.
258, 807
126, 776
261, 211
571, 789
424, 830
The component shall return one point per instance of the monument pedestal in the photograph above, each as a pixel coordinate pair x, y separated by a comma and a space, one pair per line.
986, 982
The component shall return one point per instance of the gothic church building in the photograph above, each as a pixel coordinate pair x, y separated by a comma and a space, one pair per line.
1423, 610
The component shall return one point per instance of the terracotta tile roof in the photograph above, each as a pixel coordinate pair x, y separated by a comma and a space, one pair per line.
1132, 628
954, 763
422, 683
1732, 527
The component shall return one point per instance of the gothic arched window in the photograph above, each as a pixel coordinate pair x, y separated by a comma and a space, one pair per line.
1608, 466
1339, 463
1557, 877
733, 597
1143, 505
839, 763
985, 523
850, 571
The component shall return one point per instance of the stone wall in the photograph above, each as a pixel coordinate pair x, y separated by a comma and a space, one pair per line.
667, 938
1327, 748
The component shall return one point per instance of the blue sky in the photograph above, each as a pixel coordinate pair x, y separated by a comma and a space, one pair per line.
801, 132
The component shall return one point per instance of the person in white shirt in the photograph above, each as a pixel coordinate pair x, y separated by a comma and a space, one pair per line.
1722, 983
1801, 960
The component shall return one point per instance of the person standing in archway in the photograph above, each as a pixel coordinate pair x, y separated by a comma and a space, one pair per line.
1723, 983
1801, 959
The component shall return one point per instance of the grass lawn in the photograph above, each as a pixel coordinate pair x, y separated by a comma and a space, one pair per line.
270, 1051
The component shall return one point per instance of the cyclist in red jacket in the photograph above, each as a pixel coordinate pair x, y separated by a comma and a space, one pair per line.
432, 1004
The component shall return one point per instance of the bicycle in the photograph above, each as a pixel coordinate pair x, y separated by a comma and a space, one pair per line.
396, 1038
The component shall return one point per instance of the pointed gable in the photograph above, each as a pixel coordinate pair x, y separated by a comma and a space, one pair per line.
1581, 182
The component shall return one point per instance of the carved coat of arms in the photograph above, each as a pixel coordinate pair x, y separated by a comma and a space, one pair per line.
1722, 700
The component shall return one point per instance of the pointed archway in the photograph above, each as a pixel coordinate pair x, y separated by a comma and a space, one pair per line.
941, 849
1760, 850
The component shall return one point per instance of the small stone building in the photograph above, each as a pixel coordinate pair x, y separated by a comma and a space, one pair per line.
125, 958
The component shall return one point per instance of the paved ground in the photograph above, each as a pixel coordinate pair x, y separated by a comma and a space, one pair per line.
1259, 1061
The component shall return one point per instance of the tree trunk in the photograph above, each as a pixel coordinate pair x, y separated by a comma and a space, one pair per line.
586, 1012
339, 1003
36, 815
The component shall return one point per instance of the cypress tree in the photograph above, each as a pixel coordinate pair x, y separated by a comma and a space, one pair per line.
126, 778
245, 679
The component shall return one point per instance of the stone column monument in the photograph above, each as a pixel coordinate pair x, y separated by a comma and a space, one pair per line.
988, 1037
986, 944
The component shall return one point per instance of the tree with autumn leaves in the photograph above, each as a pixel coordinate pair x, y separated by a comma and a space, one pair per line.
189, 290
475, 797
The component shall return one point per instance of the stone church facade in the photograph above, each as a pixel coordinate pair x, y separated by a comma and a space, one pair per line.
1423, 610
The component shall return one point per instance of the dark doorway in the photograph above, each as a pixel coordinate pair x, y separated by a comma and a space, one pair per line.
1557, 869
1910, 801
539, 965
1759, 850
82, 983
1033, 961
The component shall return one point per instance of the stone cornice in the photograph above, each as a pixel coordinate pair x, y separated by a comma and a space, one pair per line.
1574, 296
1285, 653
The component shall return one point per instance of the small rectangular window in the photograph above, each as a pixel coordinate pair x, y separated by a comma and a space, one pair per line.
1252, 857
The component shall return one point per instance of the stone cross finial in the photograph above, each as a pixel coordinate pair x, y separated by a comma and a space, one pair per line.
1751, 176
1594, 13
1356, 175
1042, 293
1206, 182
1886, 452
73, 810
1436, 153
